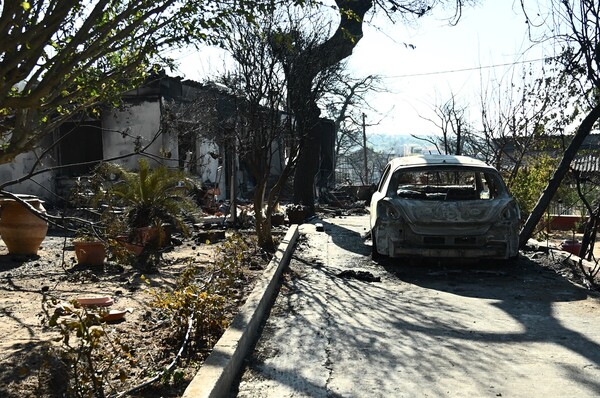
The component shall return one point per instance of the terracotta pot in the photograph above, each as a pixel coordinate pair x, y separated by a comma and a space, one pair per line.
144, 235
132, 248
21, 230
141, 237
114, 315
101, 301
89, 253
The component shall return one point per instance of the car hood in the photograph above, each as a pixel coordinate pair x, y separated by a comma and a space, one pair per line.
423, 215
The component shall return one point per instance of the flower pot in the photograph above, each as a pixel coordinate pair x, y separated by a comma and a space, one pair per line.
89, 253
100, 301
133, 248
141, 237
145, 235
114, 315
21, 230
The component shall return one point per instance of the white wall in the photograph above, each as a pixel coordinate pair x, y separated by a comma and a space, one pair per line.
123, 126
40, 185
206, 166
135, 120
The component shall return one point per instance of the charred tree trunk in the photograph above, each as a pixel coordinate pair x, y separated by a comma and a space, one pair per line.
592, 217
262, 220
593, 234
538, 211
307, 169
302, 69
589, 235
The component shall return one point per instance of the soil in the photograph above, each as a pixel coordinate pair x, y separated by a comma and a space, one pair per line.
30, 365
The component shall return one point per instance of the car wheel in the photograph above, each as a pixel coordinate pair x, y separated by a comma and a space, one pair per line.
506, 261
375, 256
512, 260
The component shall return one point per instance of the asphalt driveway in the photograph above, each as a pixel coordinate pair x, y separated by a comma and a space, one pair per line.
438, 329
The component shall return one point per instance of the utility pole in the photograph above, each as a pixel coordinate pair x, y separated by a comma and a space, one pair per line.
233, 184
364, 129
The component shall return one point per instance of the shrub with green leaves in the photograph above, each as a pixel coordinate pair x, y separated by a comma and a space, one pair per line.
529, 181
141, 209
149, 196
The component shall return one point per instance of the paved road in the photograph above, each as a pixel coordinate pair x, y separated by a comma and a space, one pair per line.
483, 330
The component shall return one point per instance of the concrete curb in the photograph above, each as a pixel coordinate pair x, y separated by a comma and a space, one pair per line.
215, 377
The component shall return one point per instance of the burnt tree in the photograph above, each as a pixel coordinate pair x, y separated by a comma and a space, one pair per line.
577, 29
303, 65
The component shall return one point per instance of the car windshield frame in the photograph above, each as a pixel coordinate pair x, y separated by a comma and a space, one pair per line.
446, 183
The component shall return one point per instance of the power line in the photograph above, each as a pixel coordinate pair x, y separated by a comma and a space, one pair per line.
465, 69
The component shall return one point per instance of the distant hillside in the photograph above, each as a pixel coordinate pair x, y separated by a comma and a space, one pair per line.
392, 143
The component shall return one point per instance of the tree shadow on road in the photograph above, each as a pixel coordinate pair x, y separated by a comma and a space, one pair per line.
406, 335
383, 336
525, 291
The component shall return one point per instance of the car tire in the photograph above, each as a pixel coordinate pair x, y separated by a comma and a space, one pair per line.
512, 260
375, 256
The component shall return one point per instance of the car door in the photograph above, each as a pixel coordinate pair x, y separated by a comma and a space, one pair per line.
379, 194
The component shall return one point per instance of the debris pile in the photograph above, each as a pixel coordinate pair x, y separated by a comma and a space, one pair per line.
364, 276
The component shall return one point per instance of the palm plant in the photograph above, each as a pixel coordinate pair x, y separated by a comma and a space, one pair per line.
138, 209
151, 197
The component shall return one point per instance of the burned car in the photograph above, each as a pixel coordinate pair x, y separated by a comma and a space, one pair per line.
443, 206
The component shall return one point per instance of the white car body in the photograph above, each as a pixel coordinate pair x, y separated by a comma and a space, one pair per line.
443, 206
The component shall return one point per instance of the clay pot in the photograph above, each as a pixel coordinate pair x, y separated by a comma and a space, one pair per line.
21, 230
132, 248
146, 234
114, 315
101, 301
141, 237
89, 252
